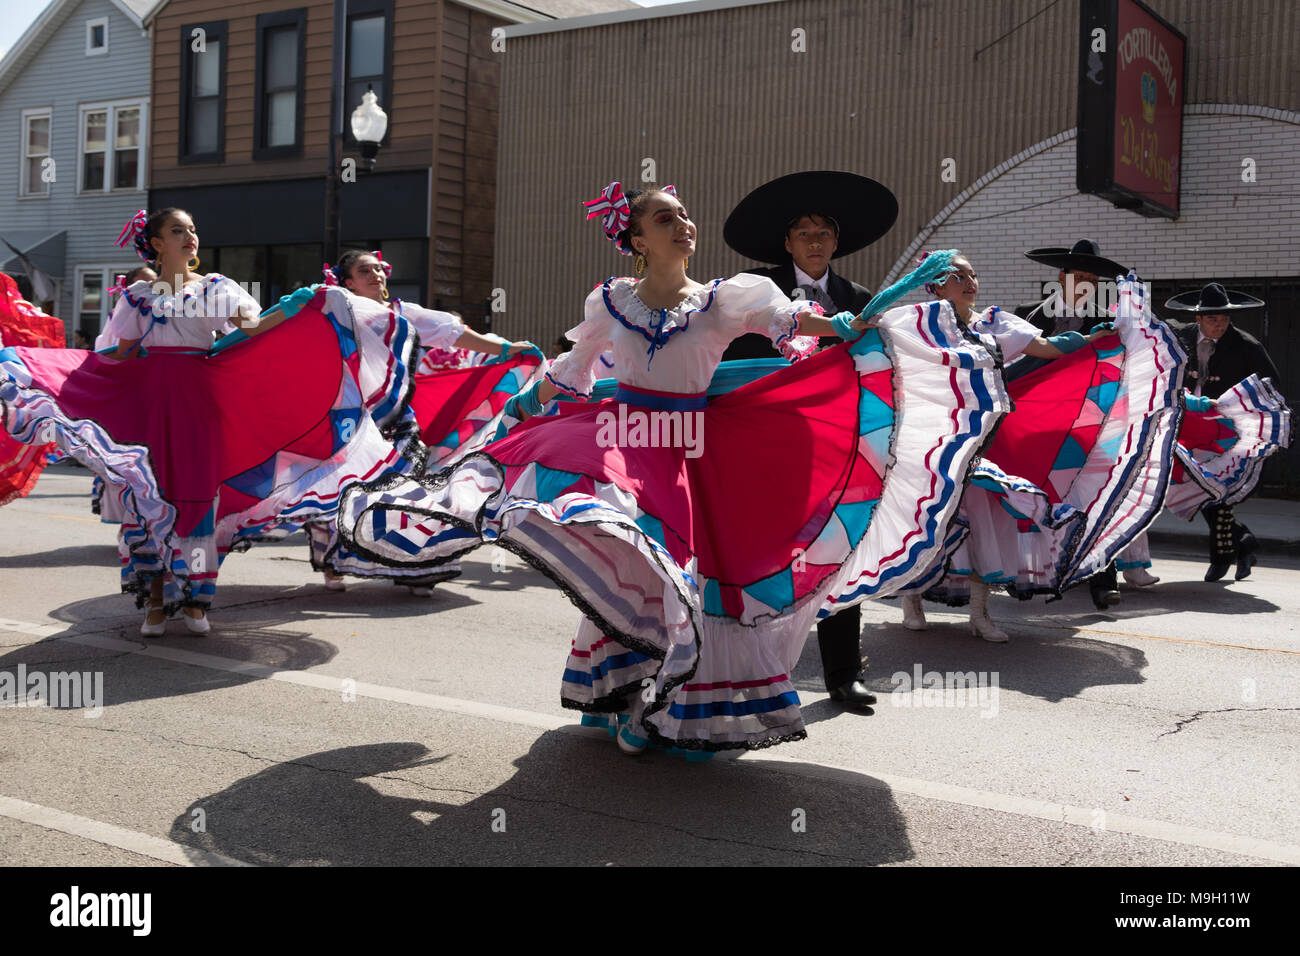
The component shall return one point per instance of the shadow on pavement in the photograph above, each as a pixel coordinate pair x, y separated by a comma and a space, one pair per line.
79, 555
1054, 665
130, 677
570, 801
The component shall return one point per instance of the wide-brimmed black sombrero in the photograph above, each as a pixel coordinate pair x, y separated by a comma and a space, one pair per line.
1212, 299
1084, 256
863, 208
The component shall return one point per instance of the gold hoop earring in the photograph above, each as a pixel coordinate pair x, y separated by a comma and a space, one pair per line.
195, 266
640, 264
686, 263
385, 293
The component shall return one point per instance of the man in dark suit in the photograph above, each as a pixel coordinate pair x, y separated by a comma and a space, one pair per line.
811, 241
801, 222
1221, 355
1073, 308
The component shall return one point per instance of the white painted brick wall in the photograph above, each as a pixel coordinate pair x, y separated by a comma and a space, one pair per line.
1227, 227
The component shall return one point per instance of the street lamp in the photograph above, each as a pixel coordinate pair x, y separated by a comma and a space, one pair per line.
369, 124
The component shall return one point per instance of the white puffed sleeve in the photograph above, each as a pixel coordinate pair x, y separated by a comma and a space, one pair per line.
437, 330
129, 320
577, 370
1012, 333
750, 303
233, 297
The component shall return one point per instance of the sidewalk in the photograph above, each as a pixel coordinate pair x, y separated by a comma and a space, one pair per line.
1275, 522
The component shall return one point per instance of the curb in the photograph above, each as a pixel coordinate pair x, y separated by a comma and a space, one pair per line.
1199, 543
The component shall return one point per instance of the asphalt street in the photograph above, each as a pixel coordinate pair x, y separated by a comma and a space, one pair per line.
375, 727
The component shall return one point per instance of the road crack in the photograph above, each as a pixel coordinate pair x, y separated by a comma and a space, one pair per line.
1223, 710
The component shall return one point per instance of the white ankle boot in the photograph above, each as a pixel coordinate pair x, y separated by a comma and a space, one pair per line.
981, 625
1140, 577
913, 613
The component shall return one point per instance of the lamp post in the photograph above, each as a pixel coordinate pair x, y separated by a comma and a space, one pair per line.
331, 244
369, 124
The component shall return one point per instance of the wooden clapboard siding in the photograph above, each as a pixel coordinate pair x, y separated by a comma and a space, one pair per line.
720, 100
443, 109
410, 101
60, 76
465, 137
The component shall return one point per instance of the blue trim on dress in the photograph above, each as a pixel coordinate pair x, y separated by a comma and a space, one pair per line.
667, 403
657, 338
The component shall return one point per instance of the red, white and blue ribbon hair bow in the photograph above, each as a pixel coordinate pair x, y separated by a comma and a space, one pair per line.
331, 277
387, 267
134, 231
613, 208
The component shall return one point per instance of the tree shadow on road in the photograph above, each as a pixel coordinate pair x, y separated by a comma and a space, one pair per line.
78, 555
1222, 597
570, 801
1056, 668
130, 677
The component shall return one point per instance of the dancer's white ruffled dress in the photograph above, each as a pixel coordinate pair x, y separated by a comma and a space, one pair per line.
702, 564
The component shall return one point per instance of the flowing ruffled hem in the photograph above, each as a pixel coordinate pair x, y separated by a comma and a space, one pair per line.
456, 413
20, 468
1221, 454
326, 442
1106, 480
720, 652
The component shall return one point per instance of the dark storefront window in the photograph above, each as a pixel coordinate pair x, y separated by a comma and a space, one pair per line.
407, 257
278, 269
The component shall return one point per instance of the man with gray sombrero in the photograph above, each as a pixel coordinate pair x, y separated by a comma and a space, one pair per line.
1221, 355
798, 224
1074, 308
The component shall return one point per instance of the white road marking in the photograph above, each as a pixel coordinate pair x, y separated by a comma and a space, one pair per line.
337, 685
112, 835
799, 764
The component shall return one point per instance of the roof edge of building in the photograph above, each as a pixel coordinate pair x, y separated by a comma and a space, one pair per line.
628, 16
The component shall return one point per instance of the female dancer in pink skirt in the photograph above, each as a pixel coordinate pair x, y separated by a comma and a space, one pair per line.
701, 537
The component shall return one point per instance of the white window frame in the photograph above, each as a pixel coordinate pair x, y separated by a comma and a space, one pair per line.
90, 31
38, 112
111, 107
107, 275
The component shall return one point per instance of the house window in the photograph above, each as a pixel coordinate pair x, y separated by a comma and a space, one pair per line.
203, 103
37, 166
90, 309
97, 36
369, 58
112, 147
279, 84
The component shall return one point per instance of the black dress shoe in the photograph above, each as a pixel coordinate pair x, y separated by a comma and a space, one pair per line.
1103, 595
853, 692
1246, 556
1217, 570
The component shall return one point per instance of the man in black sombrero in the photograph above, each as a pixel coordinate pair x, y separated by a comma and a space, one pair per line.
1221, 355
799, 223
1074, 308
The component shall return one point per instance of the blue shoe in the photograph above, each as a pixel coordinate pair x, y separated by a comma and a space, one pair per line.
599, 720
628, 742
